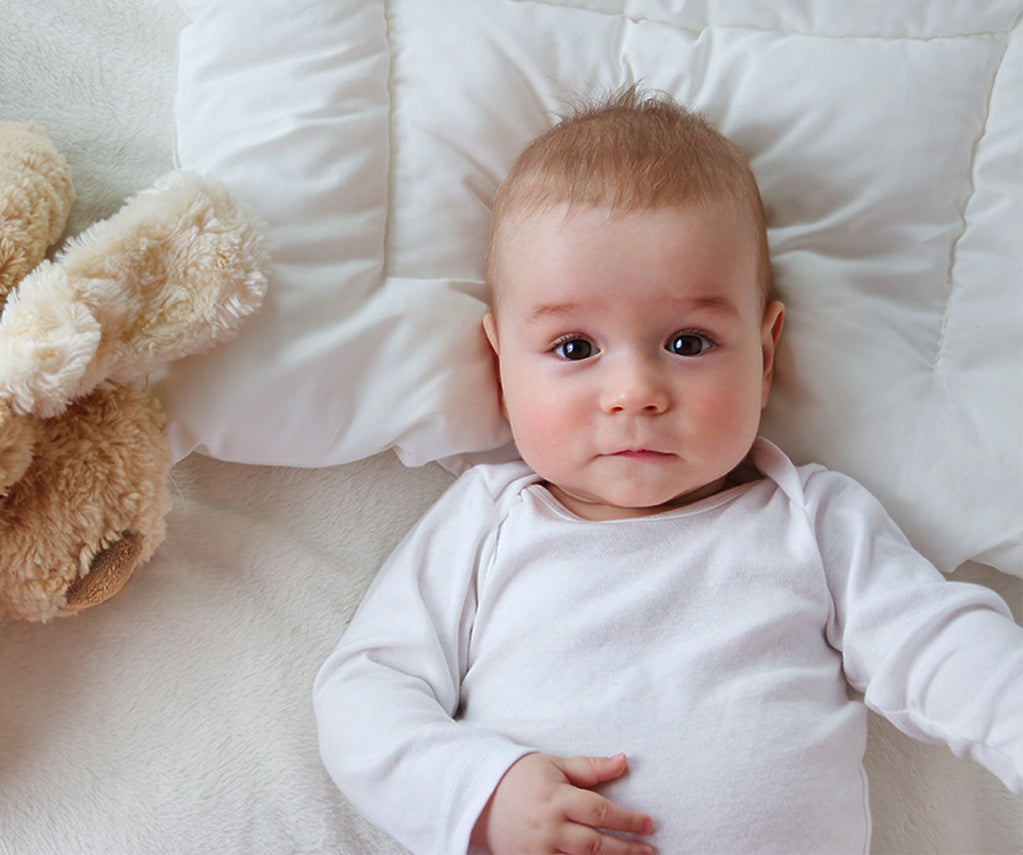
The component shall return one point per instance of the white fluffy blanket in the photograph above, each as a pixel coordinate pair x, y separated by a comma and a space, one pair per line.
177, 717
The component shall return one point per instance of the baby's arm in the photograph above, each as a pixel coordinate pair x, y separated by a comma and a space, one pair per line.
942, 660
543, 804
386, 700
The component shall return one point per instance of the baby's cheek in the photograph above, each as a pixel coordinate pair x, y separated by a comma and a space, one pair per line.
540, 434
717, 412
536, 436
739, 419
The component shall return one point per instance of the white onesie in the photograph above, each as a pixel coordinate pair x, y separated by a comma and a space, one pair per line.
714, 644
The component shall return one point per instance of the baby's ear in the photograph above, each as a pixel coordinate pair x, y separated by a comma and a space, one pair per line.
770, 333
490, 328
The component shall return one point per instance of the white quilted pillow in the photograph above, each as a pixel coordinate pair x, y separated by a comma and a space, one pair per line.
887, 138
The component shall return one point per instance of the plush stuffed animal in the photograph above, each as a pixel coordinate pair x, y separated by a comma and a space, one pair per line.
84, 457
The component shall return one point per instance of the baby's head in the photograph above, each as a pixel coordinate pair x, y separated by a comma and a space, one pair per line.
629, 278
628, 153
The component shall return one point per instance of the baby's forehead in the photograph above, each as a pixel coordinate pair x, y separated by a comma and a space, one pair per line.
527, 219
529, 230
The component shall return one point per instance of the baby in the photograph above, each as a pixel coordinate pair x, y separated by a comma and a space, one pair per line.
654, 631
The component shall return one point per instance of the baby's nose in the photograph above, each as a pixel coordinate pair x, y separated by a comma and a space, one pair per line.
635, 388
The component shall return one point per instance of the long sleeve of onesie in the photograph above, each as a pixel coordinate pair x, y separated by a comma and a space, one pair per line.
941, 660
387, 698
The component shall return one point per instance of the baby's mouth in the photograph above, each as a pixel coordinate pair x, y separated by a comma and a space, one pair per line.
641, 454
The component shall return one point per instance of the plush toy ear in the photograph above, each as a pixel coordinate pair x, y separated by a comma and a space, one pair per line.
35, 199
17, 437
172, 273
47, 343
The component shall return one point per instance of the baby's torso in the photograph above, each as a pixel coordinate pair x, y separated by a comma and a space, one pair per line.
687, 644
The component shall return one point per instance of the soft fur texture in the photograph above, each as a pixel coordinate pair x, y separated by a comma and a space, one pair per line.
99, 471
176, 718
36, 201
175, 271
86, 458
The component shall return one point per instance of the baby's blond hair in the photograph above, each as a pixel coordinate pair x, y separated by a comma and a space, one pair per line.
631, 151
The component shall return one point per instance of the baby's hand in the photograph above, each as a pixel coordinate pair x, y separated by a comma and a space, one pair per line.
543, 804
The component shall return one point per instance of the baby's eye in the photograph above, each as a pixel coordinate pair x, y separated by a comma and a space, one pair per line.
574, 349
688, 344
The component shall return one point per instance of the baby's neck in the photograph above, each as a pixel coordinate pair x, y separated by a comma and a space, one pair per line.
597, 511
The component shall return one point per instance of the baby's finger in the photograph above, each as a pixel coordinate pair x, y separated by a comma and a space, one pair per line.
590, 771
580, 840
592, 809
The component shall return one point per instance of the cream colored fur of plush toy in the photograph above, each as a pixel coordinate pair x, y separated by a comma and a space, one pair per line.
83, 451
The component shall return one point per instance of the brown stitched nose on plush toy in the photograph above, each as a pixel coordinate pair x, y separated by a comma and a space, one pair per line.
110, 571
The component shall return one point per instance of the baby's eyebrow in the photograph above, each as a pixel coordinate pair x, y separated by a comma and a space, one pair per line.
714, 303
552, 310
710, 303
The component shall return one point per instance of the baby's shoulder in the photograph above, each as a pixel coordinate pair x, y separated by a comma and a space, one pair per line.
807, 484
497, 484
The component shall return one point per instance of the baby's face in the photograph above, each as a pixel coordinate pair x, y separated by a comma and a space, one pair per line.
635, 353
